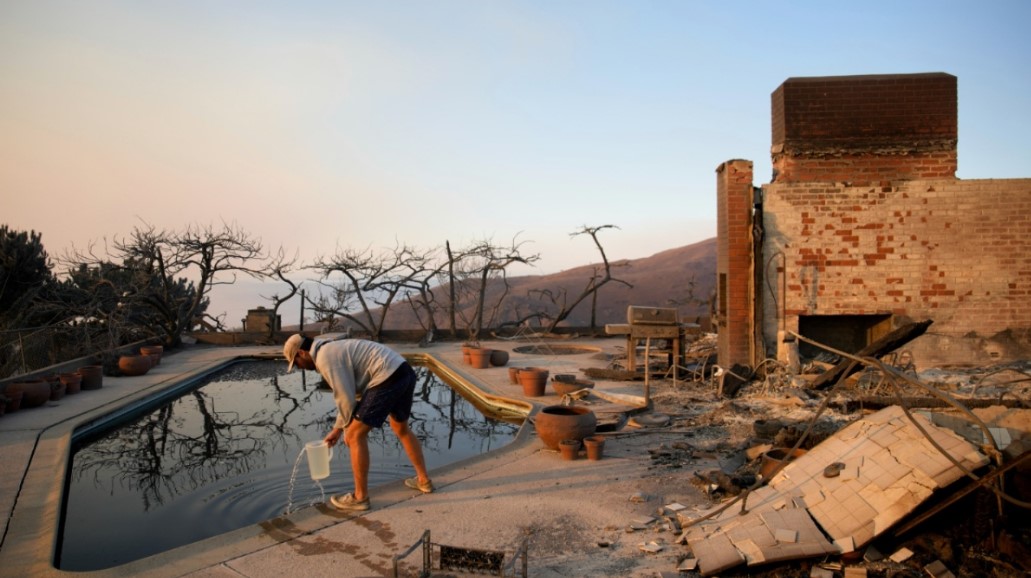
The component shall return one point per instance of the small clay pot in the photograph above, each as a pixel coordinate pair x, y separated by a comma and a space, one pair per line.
595, 446
539, 371
72, 382
133, 365
772, 459
467, 353
498, 357
92, 376
570, 449
154, 351
513, 374
480, 358
534, 381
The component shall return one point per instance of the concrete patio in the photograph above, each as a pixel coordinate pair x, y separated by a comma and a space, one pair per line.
576, 512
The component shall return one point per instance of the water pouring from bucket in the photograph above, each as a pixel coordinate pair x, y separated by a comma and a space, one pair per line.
319, 454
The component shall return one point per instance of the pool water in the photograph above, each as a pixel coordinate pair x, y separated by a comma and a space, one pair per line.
221, 456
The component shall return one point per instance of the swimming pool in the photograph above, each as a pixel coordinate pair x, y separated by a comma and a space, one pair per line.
220, 456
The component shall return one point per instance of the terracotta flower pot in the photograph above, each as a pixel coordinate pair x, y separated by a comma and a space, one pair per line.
513, 374
540, 371
34, 393
467, 353
133, 365
92, 376
570, 449
479, 358
14, 399
498, 357
560, 422
534, 381
772, 459
72, 382
595, 446
154, 351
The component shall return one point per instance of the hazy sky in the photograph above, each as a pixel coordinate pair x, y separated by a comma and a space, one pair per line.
314, 125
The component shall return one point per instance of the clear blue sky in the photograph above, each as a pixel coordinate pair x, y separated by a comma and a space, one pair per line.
314, 125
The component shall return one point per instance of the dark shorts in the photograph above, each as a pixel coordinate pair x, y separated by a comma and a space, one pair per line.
393, 397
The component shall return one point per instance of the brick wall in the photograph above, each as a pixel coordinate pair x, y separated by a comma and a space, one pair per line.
734, 262
956, 252
865, 129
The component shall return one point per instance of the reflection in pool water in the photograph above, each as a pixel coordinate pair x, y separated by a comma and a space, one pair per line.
220, 458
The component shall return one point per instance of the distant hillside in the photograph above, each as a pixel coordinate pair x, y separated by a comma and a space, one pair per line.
684, 278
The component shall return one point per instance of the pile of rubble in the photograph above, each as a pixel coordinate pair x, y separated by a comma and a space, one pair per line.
881, 472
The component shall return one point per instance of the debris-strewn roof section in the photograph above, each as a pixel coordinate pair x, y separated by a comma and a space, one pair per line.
888, 467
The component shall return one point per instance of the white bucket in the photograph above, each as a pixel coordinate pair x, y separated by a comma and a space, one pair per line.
319, 453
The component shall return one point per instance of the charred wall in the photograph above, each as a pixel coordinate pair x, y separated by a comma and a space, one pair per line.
956, 252
864, 222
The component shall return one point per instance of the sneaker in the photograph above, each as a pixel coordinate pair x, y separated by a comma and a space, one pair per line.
414, 484
348, 503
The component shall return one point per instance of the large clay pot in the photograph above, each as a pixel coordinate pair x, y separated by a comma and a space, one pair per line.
154, 351
72, 382
561, 422
479, 358
92, 376
467, 353
34, 393
534, 381
133, 365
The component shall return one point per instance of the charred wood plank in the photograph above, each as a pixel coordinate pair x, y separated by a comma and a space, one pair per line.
879, 347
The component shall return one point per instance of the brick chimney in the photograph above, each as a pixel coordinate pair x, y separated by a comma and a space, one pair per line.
865, 129
735, 199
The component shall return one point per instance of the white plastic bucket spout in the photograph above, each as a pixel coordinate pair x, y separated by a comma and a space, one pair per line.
319, 453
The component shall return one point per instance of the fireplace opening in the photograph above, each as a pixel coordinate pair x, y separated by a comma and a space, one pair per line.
848, 333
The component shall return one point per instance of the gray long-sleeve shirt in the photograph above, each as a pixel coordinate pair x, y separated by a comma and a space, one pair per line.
351, 366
